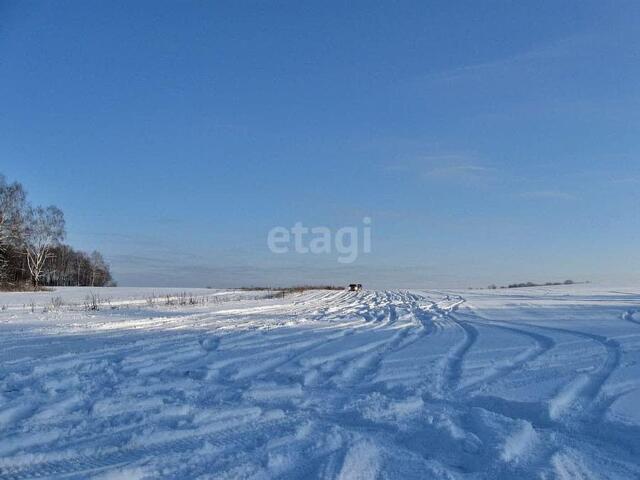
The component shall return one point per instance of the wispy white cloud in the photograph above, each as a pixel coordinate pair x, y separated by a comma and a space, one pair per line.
445, 167
631, 180
457, 171
548, 195
540, 54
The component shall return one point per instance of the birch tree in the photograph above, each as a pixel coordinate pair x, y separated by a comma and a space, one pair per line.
44, 230
99, 269
12, 209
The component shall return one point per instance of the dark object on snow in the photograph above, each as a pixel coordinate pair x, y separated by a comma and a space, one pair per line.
355, 287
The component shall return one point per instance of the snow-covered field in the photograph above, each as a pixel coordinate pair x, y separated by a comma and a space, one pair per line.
511, 384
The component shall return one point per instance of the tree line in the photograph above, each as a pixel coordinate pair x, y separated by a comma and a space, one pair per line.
32, 252
531, 284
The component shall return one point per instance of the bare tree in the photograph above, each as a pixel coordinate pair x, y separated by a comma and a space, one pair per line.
99, 269
44, 230
12, 209
31, 248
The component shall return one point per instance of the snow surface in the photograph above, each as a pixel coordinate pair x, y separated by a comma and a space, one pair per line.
526, 383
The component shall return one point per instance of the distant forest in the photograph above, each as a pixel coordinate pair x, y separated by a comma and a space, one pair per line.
32, 252
531, 284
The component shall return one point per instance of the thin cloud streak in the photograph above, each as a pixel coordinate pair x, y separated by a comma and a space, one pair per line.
447, 166
458, 171
552, 51
547, 195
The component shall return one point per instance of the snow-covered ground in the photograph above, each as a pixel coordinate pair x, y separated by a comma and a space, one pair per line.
525, 383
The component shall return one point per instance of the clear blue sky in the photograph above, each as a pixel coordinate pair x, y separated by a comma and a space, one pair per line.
488, 141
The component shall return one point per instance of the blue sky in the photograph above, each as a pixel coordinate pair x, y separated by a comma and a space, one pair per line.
488, 141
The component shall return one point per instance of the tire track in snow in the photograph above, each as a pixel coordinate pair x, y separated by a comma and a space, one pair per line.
542, 344
395, 319
345, 380
235, 437
152, 352
554, 430
588, 406
452, 363
585, 389
367, 365
452, 371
